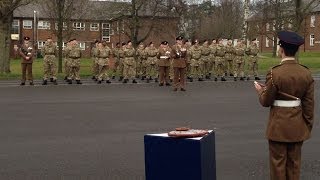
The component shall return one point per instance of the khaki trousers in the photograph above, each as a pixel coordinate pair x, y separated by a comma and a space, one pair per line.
179, 77
164, 74
26, 69
285, 160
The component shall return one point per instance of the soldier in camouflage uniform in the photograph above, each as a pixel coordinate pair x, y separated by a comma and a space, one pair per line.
130, 64
95, 66
115, 55
229, 58
239, 61
252, 51
67, 60
142, 61
103, 54
121, 55
196, 62
152, 60
188, 45
205, 58
213, 47
219, 61
49, 52
74, 63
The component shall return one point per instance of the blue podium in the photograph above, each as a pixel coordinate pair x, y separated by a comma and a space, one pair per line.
168, 158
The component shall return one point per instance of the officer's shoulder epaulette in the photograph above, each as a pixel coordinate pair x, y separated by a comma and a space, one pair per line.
303, 66
274, 67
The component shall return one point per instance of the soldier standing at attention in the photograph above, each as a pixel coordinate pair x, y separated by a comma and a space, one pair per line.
129, 71
67, 60
121, 60
219, 61
74, 55
103, 54
49, 52
179, 54
229, 58
141, 64
152, 70
252, 52
116, 56
164, 63
205, 58
188, 45
289, 91
239, 61
95, 66
26, 52
213, 47
196, 61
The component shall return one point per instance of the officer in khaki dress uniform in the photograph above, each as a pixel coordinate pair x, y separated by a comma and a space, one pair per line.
26, 52
179, 63
289, 92
164, 63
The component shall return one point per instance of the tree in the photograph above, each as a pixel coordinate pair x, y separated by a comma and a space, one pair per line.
6, 17
62, 12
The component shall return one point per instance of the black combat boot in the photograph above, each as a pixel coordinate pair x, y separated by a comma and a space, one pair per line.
143, 77
248, 78
99, 82
22, 83
215, 79
148, 80
51, 79
134, 81
113, 77
257, 78
235, 79
155, 80
200, 79
241, 79
93, 77
125, 81
78, 82
191, 79
121, 78
168, 84
69, 81
223, 79
55, 82
231, 74
161, 84
44, 82
182, 89
31, 83
66, 78
108, 82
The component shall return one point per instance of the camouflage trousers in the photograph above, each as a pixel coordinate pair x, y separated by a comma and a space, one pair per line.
49, 67
120, 67
189, 68
171, 70
196, 68
206, 65
229, 67
239, 68
252, 68
141, 67
129, 70
212, 64
66, 67
152, 68
219, 67
103, 68
95, 67
74, 69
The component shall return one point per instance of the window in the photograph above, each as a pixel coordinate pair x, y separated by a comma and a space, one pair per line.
312, 21
27, 24
267, 42
272, 41
267, 27
15, 27
274, 25
94, 27
106, 32
311, 39
64, 44
64, 26
79, 26
41, 44
43, 25
82, 46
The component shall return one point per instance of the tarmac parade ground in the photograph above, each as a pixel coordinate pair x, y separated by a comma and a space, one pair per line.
95, 132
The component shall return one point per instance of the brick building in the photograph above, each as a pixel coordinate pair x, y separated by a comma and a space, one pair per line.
86, 29
310, 30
